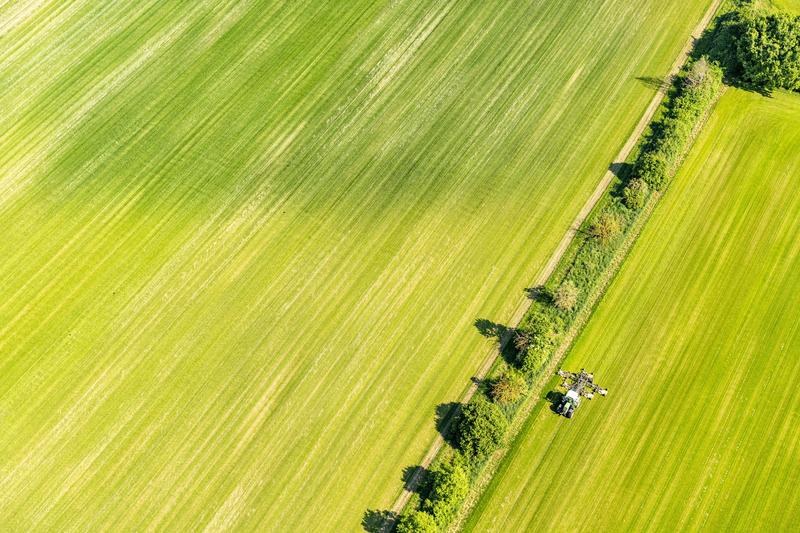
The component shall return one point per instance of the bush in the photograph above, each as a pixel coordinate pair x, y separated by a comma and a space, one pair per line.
635, 194
417, 522
606, 227
449, 487
481, 428
566, 296
652, 167
533, 360
509, 388
540, 329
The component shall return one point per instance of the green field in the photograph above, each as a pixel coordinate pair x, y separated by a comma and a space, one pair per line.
244, 243
697, 342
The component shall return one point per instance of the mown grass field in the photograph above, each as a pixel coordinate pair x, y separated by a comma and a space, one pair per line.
696, 341
244, 243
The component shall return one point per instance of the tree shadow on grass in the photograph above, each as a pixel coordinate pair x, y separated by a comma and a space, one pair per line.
414, 474
624, 173
656, 83
490, 329
446, 418
377, 521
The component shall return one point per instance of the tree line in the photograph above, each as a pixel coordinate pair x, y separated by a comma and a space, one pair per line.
748, 46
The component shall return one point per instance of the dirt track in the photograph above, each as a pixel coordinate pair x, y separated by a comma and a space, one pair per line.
558, 253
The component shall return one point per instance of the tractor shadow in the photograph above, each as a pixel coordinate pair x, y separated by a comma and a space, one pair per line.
554, 399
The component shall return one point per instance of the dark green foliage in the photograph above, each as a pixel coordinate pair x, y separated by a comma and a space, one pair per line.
449, 484
760, 48
635, 194
606, 227
532, 360
509, 388
540, 329
481, 428
670, 136
417, 522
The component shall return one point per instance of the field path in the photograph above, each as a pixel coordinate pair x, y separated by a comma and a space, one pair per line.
411, 486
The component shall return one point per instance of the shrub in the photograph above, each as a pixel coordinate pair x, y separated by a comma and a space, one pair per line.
540, 328
417, 522
652, 167
533, 360
449, 487
509, 388
481, 428
635, 194
606, 227
566, 297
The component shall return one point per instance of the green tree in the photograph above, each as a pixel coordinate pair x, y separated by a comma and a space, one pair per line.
416, 522
541, 330
761, 47
566, 297
635, 194
606, 227
652, 167
449, 484
481, 428
509, 387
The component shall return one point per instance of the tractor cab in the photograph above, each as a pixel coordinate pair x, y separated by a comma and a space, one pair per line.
569, 402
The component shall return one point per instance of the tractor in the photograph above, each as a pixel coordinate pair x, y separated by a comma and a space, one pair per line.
577, 385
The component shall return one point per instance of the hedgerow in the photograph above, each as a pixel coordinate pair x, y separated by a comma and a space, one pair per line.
669, 137
483, 422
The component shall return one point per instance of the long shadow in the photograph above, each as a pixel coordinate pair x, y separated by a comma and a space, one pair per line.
378, 521
554, 398
411, 475
624, 173
446, 417
509, 353
539, 293
656, 83
490, 329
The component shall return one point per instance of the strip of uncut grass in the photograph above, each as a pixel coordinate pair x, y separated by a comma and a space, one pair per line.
694, 341
244, 243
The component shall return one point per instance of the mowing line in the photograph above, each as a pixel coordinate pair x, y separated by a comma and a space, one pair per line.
555, 258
